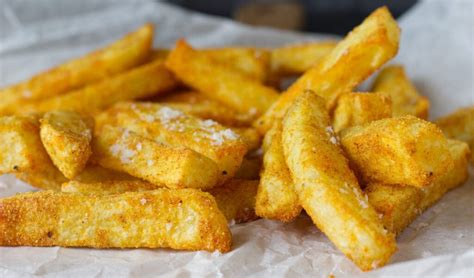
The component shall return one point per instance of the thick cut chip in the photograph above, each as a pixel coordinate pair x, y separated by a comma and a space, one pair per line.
358, 55
459, 125
400, 205
404, 150
22, 152
252, 62
250, 136
120, 56
394, 83
66, 137
184, 219
236, 200
276, 196
355, 109
141, 82
327, 188
123, 150
219, 82
177, 129
298, 58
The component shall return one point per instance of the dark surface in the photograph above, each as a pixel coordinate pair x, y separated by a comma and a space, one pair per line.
330, 16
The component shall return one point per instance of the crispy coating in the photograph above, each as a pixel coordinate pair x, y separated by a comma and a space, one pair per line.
96, 174
123, 150
400, 205
327, 188
140, 82
297, 58
198, 105
228, 86
406, 100
179, 219
66, 136
276, 196
250, 136
250, 168
404, 150
177, 129
115, 58
359, 108
236, 200
251, 62
459, 125
22, 152
359, 54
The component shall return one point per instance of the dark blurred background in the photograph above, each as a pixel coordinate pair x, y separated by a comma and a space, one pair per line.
321, 16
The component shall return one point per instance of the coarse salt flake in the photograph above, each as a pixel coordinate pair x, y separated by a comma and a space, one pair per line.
142, 201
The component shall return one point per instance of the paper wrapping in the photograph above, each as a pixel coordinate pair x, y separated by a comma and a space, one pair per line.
436, 48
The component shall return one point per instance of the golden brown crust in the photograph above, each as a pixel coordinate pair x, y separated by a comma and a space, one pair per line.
359, 54
276, 196
140, 82
406, 100
177, 129
66, 136
326, 187
404, 150
179, 219
123, 150
120, 56
226, 85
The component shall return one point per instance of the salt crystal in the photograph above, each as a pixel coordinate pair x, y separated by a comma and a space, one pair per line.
208, 123
27, 93
168, 226
149, 162
167, 114
143, 201
139, 146
231, 222
333, 140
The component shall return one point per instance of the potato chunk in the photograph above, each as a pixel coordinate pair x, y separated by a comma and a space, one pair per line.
123, 150
405, 150
115, 58
22, 153
327, 188
184, 219
359, 108
401, 204
67, 136
406, 100
276, 196
177, 129
359, 54
459, 125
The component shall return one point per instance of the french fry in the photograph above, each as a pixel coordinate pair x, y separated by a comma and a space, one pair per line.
250, 168
404, 150
251, 62
176, 129
236, 200
22, 152
297, 58
226, 85
359, 108
95, 174
66, 137
250, 136
327, 188
141, 82
123, 150
359, 54
406, 100
115, 58
459, 125
184, 219
401, 204
276, 196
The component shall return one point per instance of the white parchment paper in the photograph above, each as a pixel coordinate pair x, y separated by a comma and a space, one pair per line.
437, 49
